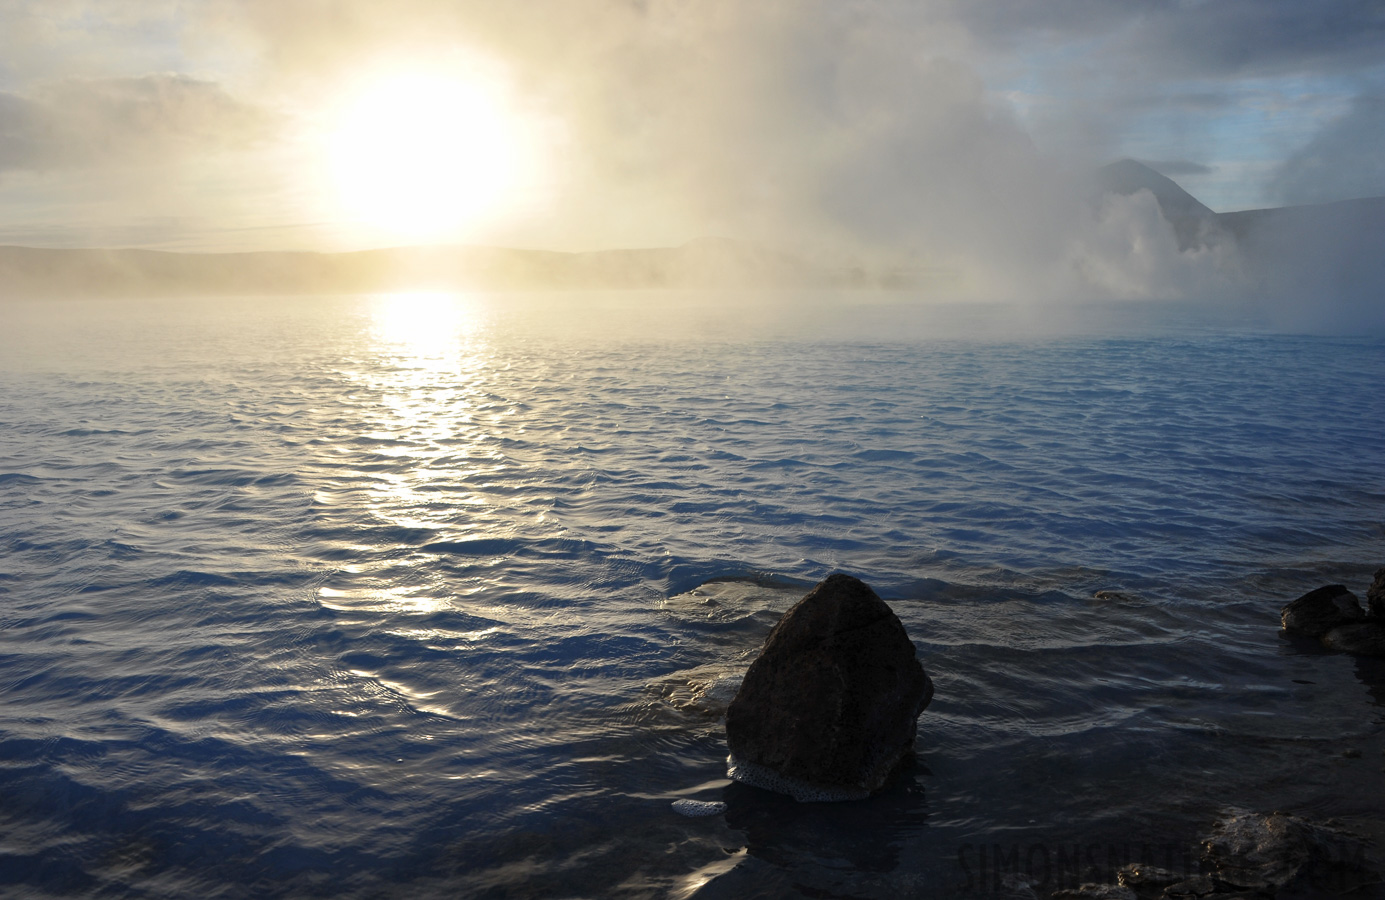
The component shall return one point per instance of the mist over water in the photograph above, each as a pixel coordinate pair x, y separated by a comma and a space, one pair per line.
400, 595
887, 135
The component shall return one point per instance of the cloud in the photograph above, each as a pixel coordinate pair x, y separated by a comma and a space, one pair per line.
1343, 161
56, 39
146, 120
1260, 37
1190, 39
810, 120
26, 133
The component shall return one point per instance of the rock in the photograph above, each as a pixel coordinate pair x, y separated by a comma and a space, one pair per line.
1318, 612
1095, 892
831, 705
1275, 852
1334, 614
1147, 881
1375, 596
1200, 887
1363, 638
1249, 856
697, 808
1014, 886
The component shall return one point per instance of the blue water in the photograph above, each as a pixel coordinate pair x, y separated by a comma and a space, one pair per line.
423, 596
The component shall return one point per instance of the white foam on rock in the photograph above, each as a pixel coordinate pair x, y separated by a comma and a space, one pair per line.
767, 779
695, 808
721, 690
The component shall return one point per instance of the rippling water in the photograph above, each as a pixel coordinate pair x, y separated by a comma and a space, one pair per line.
442, 596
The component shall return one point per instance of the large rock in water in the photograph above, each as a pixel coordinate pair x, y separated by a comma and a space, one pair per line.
1319, 611
831, 705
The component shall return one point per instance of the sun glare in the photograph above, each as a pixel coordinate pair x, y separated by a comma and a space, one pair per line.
421, 326
424, 156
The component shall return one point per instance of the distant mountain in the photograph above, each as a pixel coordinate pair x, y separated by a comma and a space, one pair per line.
1329, 252
1191, 220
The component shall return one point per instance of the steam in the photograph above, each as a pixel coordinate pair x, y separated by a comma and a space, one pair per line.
929, 133
873, 130
1342, 162
1128, 250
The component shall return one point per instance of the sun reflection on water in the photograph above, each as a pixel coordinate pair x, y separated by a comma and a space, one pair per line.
422, 447
423, 328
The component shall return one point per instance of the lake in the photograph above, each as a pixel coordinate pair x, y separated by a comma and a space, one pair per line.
442, 595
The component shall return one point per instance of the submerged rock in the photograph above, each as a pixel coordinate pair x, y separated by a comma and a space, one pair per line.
1361, 638
1319, 611
1275, 852
1095, 892
1250, 855
1200, 887
831, 705
1375, 596
1147, 881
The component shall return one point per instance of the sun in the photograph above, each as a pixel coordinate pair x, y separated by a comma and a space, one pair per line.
424, 156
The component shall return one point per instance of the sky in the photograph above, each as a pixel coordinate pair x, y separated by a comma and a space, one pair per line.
223, 125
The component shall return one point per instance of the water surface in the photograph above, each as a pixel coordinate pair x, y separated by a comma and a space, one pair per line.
408, 596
